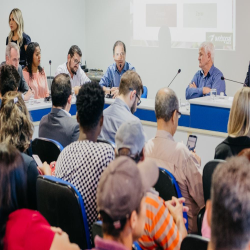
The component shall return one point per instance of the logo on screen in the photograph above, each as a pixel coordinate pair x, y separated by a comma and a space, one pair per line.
220, 40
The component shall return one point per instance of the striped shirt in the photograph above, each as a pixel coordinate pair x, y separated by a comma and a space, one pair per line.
160, 230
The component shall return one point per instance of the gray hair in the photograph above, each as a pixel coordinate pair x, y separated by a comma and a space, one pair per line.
230, 194
117, 43
209, 48
9, 47
166, 102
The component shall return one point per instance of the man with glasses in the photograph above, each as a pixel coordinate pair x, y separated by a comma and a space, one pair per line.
111, 80
124, 106
174, 156
73, 68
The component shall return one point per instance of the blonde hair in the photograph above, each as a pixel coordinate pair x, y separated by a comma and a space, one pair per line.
239, 118
16, 128
18, 17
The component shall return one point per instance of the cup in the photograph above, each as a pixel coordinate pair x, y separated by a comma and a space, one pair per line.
213, 93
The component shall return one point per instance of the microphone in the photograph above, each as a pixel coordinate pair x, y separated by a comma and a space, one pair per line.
223, 78
179, 71
50, 73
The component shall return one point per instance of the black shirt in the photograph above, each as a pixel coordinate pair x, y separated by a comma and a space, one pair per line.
26, 41
231, 147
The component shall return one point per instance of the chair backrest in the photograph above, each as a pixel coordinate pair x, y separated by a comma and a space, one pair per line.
167, 187
106, 141
47, 149
62, 205
194, 242
145, 92
207, 177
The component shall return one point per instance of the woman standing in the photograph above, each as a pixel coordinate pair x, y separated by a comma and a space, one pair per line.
17, 34
33, 73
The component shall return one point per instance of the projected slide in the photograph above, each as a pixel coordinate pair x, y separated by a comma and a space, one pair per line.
190, 22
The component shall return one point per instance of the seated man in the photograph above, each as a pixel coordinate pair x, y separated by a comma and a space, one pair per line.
247, 80
121, 202
175, 156
73, 69
229, 208
160, 216
59, 119
124, 106
82, 162
208, 77
111, 79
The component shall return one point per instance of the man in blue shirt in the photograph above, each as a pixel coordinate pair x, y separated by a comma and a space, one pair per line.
209, 77
111, 79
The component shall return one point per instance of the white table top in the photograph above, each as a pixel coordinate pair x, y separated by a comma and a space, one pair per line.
226, 102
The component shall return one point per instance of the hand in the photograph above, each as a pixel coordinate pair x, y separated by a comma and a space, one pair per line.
192, 85
114, 92
28, 94
206, 90
45, 168
196, 156
76, 89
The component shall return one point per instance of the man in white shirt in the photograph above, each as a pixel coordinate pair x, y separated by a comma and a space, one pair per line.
73, 69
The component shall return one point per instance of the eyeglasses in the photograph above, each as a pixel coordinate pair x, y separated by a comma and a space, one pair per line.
139, 99
179, 113
76, 62
122, 54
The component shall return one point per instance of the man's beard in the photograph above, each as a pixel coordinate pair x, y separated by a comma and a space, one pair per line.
133, 108
72, 69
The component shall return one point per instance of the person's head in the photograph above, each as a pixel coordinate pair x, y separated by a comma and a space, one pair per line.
9, 79
16, 127
119, 54
131, 88
89, 105
130, 140
61, 91
74, 58
12, 185
12, 55
120, 197
167, 109
206, 55
229, 208
33, 58
16, 25
239, 118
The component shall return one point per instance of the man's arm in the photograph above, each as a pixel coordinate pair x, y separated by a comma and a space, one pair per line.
106, 79
23, 86
76, 132
84, 78
219, 84
193, 91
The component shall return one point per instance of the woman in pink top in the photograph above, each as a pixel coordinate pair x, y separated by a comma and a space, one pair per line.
33, 73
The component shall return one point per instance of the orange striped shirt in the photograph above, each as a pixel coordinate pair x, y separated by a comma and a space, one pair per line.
160, 230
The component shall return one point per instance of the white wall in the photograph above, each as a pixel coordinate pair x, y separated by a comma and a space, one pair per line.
54, 24
110, 21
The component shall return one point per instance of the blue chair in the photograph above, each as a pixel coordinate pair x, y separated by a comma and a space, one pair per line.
47, 149
168, 187
145, 92
62, 206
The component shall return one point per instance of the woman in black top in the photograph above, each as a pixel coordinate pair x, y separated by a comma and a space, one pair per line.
17, 34
238, 127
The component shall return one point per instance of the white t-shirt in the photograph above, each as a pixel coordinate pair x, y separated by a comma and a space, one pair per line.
78, 79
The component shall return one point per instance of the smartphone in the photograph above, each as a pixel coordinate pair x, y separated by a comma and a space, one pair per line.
191, 143
37, 160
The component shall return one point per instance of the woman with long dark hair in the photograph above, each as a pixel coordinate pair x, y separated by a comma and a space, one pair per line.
17, 34
33, 73
22, 228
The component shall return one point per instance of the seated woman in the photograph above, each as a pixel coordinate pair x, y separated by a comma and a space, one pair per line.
238, 127
16, 129
33, 73
22, 228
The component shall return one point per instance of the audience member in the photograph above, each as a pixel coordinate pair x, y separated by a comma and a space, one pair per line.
73, 68
209, 77
164, 226
111, 79
175, 156
121, 202
33, 73
21, 228
238, 127
16, 129
82, 162
17, 34
124, 106
229, 208
59, 119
